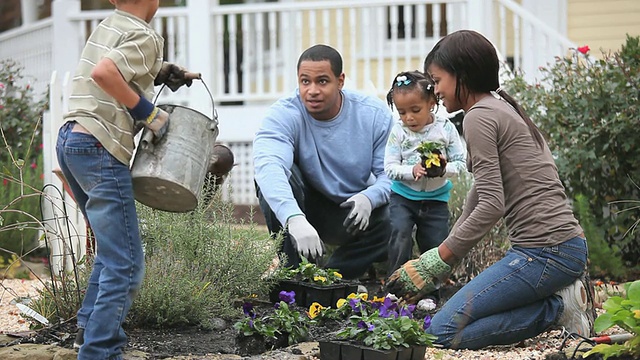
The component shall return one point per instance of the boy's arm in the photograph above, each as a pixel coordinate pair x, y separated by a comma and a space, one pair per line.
108, 77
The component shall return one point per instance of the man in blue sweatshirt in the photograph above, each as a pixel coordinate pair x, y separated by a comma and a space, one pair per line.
319, 168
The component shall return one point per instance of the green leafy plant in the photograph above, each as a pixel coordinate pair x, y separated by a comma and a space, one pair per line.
430, 153
384, 324
604, 259
625, 313
21, 173
285, 321
198, 264
309, 272
588, 109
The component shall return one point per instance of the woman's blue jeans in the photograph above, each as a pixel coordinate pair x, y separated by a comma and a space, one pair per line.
513, 299
103, 189
431, 219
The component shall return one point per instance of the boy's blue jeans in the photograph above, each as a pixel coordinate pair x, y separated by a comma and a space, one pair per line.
432, 227
355, 254
103, 190
513, 299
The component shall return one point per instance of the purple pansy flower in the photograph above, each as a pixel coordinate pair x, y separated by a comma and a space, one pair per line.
247, 308
287, 296
427, 322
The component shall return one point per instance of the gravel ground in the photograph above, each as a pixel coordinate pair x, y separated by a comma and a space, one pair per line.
10, 289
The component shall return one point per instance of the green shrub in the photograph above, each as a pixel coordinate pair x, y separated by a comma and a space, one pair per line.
604, 260
589, 110
198, 264
490, 249
21, 164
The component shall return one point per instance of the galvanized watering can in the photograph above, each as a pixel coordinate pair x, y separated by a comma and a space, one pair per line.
169, 174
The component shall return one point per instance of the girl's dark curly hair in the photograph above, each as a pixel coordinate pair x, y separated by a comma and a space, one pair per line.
411, 81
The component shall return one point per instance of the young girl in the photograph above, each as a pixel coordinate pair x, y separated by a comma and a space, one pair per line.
540, 283
417, 198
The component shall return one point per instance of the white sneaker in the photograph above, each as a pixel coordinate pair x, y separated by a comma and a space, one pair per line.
575, 317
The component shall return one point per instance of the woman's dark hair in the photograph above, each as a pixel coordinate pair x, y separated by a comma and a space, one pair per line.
321, 53
473, 60
408, 81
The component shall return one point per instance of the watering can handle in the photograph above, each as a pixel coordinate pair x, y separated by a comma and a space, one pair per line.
193, 76
147, 136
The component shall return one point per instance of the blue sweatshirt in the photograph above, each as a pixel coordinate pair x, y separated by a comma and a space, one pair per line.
339, 157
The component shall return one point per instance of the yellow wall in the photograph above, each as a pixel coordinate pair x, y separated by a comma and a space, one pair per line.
602, 24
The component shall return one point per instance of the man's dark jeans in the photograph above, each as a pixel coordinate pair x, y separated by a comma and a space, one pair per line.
431, 219
355, 254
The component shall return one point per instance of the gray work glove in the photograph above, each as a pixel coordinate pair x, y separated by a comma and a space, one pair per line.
173, 76
305, 237
358, 217
157, 122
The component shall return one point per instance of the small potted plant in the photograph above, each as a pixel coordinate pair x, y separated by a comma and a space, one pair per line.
285, 326
311, 283
430, 152
380, 329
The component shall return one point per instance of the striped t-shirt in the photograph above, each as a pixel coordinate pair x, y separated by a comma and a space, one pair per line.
136, 49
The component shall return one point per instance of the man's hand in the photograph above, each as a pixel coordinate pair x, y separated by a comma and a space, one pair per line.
419, 277
305, 238
172, 75
358, 217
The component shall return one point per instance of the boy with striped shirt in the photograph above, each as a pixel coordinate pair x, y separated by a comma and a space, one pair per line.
119, 66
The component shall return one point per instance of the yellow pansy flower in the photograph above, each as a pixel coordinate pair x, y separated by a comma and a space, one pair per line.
352, 296
377, 299
363, 296
432, 160
636, 314
340, 303
337, 274
320, 278
314, 310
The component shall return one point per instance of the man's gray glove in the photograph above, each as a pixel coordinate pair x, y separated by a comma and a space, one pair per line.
305, 238
358, 217
172, 75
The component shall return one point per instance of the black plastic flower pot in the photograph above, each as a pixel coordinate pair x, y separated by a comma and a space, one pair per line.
373, 354
286, 285
308, 293
342, 350
418, 352
433, 171
330, 350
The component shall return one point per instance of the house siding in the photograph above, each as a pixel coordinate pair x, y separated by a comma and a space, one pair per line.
603, 25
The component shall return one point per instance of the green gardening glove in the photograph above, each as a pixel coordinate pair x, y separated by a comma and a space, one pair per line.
419, 277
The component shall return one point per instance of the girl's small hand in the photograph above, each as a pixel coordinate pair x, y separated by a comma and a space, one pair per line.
418, 171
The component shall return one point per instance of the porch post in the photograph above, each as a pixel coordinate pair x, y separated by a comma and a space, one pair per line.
66, 41
29, 11
200, 49
480, 17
